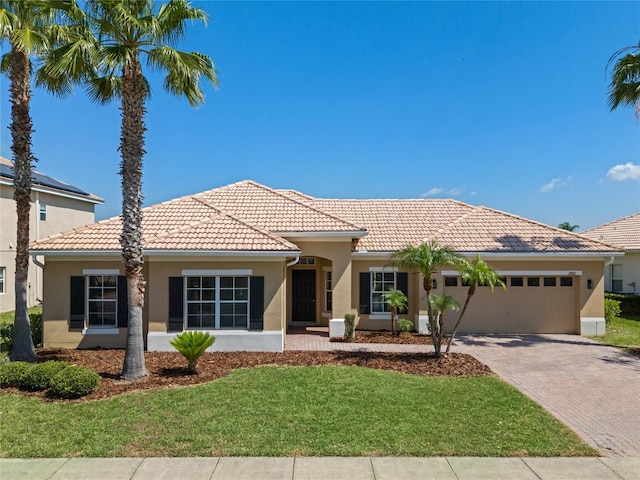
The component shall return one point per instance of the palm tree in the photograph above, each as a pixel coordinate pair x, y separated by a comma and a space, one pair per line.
440, 303
625, 78
474, 273
567, 226
397, 300
29, 27
426, 259
106, 57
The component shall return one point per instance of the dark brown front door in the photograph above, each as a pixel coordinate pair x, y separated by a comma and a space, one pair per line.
304, 296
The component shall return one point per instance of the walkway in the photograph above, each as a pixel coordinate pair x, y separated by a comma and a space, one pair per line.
320, 468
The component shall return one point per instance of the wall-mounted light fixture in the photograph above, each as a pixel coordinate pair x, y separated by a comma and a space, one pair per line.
589, 284
434, 283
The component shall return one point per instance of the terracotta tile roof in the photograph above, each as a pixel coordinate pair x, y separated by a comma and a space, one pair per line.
247, 216
624, 232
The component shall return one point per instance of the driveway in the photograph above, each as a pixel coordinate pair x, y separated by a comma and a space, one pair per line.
592, 388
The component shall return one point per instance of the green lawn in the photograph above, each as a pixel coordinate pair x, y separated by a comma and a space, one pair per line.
7, 317
282, 411
624, 333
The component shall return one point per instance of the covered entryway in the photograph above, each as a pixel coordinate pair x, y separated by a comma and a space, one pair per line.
303, 308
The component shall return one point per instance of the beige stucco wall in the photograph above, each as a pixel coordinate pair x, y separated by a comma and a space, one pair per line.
630, 272
62, 214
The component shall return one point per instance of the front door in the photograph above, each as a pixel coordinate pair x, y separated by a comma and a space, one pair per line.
304, 296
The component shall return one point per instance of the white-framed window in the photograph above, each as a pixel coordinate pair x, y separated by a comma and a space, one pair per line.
328, 295
381, 282
307, 261
3, 278
214, 302
43, 212
616, 277
102, 301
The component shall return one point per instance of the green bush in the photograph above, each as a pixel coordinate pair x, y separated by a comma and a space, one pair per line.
6, 332
36, 328
629, 302
611, 309
40, 375
349, 326
74, 382
192, 345
12, 374
405, 325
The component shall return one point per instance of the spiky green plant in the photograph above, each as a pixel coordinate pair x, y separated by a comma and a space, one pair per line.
397, 300
192, 345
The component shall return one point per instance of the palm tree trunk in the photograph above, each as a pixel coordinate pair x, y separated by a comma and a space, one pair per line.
21, 129
433, 324
464, 309
132, 152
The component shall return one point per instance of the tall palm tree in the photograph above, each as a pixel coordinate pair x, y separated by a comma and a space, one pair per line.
474, 273
567, 226
625, 78
426, 259
439, 304
29, 26
397, 300
106, 56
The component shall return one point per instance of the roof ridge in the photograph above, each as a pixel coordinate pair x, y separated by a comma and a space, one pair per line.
612, 222
462, 217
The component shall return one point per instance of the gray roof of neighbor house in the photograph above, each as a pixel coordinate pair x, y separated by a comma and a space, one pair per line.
248, 216
624, 232
51, 184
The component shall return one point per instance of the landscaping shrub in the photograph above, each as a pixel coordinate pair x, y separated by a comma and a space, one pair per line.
36, 328
6, 332
192, 345
405, 325
629, 302
12, 374
40, 375
349, 326
611, 309
74, 382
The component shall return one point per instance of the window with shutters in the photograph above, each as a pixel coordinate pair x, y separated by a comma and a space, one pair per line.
328, 298
381, 283
217, 302
102, 301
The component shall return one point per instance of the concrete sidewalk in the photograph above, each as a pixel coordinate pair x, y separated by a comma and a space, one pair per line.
320, 468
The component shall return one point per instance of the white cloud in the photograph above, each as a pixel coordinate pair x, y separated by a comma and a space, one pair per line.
433, 191
622, 172
454, 192
554, 183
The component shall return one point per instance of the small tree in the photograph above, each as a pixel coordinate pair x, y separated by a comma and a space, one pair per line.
397, 300
475, 273
440, 303
625, 78
567, 226
349, 326
192, 345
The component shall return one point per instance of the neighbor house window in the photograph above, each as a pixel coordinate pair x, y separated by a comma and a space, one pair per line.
3, 271
328, 299
533, 281
566, 281
616, 278
102, 300
381, 282
43, 211
549, 281
217, 302
517, 281
450, 281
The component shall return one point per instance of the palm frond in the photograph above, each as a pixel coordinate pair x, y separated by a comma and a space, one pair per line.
103, 90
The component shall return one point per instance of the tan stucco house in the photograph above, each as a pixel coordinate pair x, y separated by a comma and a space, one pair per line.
55, 207
246, 261
622, 275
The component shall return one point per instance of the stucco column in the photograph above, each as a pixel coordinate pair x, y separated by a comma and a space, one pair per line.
341, 277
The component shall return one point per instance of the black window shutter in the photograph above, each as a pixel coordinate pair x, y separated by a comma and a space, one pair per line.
76, 304
256, 307
123, 302
176, 304
365, 293
402, 284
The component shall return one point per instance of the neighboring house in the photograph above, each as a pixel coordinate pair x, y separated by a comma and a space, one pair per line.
55, 207
246, 261
623, 274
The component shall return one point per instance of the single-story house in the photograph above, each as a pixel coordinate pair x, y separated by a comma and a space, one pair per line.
246, 261
623, 275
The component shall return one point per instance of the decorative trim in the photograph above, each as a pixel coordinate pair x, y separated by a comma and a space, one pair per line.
383, 269
100, 331
217, 273
101, 271
380, 316
524, 273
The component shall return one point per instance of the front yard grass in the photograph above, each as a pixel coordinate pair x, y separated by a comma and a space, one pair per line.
624, 333
283, 411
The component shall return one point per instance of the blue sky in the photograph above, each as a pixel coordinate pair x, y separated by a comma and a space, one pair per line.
502, 104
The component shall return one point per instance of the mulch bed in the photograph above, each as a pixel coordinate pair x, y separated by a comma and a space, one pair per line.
385, 336
168, 369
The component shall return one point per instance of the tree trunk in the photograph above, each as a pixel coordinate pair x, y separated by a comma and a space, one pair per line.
470, 293
21, 129
427, 283
393, 320
132, 152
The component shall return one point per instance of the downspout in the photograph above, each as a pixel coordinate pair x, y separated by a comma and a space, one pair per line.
34, 259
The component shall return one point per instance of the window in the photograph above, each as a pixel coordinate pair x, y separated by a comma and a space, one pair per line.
566, 282
215, 302
307, 261
616, 277
450, 281
43, 212
381, 282
3, 277
549, 281
533, 281
102, 300
517, 281
328, 299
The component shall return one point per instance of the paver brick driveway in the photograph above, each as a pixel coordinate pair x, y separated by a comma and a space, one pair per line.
592, 388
